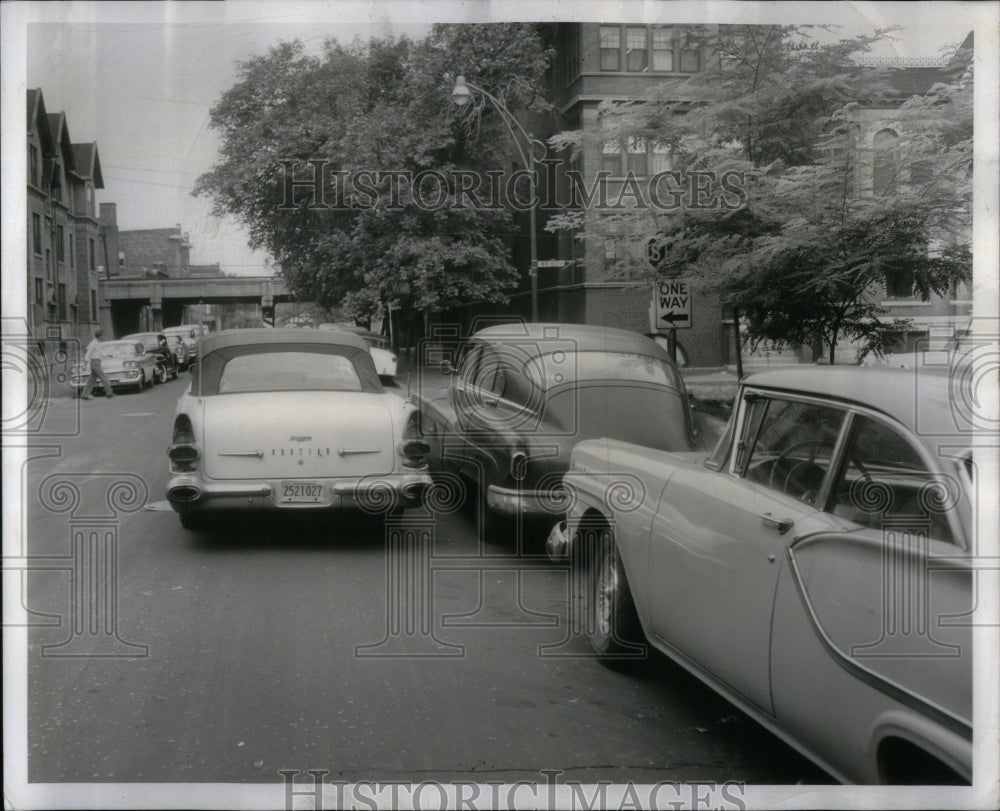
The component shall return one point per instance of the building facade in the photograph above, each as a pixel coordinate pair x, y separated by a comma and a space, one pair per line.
603, 278
63, 227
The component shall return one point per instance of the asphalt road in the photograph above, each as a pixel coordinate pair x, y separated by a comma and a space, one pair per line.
231, 654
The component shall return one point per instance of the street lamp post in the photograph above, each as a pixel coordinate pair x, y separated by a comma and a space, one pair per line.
462, 95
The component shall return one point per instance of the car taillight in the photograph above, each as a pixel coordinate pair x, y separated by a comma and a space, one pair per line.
413, 453
183, 451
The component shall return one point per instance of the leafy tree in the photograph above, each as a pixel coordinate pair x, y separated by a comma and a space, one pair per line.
804, 257
383, 106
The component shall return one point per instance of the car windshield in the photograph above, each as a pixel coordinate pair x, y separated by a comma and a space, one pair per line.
119, 349
559, 367
289, 371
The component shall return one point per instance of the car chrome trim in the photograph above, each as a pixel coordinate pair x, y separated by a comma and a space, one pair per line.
514, 501
258, 453
353, 452
904, 696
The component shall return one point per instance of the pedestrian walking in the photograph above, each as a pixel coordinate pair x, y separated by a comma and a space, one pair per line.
94, 356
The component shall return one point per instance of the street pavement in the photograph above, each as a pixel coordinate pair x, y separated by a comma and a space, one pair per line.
158, 654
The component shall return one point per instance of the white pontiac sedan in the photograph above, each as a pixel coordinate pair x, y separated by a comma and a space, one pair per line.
818, 569
278, 419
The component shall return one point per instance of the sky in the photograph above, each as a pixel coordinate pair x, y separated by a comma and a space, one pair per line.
141, 78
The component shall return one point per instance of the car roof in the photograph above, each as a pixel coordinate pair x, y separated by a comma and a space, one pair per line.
135, 336
264, 335
587, 338
922, 399
180, 327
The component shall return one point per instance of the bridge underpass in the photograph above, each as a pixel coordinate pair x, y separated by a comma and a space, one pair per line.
125, 300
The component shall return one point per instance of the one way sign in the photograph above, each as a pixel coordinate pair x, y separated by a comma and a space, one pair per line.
671, 304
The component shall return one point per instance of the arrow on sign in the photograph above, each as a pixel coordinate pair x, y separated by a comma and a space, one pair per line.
675, 318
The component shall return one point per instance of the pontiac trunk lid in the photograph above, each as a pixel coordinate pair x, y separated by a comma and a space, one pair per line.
307, 434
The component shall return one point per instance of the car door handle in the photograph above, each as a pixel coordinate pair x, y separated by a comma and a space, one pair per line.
780, 524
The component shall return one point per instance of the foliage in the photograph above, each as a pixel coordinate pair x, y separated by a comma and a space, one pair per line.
382, 106
805, 257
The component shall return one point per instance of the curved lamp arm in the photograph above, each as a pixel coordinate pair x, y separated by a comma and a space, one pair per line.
462, 94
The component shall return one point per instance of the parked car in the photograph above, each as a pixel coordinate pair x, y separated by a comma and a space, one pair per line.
521, 396
156, 344
126, 364
180, 350
386, 362
188, 333
278, 419
816, 568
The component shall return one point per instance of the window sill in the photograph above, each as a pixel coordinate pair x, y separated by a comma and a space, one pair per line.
904, 302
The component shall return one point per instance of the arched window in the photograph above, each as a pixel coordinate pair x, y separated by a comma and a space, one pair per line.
885, 162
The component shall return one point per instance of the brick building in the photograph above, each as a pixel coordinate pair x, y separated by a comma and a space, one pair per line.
63, 227
156, 252
603, 280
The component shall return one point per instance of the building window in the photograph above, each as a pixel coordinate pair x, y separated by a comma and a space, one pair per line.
663, 49
90, 256
33, 164
56, 182
61, 302
93, 305
611, 158
611, 43
898, 284
36, 234
39, 291
690, 60
121, 259
636, 52
72, 252
884, 162
60, 244
613, 252
660, 160
637, 163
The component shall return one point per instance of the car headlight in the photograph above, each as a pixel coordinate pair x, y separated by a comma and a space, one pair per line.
131, 364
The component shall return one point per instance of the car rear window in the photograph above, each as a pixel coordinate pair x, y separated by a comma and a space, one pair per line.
555, 368
289, 371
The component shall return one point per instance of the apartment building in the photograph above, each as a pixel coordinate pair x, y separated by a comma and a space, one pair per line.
63, 227
600, 279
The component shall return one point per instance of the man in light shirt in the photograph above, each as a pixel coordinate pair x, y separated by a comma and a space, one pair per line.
94, 356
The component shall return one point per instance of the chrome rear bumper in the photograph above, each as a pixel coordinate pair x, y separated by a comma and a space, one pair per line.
377, 494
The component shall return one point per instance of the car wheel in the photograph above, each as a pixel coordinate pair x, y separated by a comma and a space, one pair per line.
614, 629
159, 375
173, 372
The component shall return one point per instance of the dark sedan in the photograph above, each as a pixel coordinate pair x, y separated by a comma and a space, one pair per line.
521, 396
156, 344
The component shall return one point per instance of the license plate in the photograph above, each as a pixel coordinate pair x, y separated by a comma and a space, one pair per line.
301, 493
